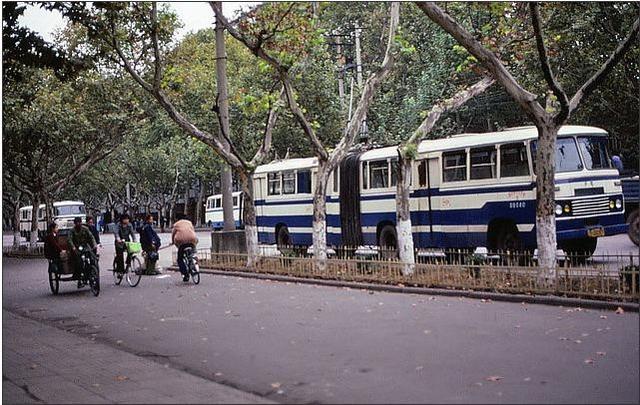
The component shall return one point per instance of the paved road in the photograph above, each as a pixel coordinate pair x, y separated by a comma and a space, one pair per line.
303, 343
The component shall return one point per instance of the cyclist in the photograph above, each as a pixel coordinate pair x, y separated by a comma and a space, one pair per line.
94, 231
183, 235
123, 233
53, 250
80, 236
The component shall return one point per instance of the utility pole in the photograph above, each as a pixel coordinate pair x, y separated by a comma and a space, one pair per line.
223, 105
364, 132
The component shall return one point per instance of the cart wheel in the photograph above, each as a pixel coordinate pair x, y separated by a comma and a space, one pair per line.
117, 276
135, 272
54, 282
94, 279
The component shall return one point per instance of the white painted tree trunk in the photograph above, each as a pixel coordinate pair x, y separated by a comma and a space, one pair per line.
16, 223
320, 216
545, 201
35, 203
249, 220
199, 204
403, 217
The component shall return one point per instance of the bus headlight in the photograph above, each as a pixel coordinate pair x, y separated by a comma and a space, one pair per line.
558, 209
618, 204
567, 208
612, 204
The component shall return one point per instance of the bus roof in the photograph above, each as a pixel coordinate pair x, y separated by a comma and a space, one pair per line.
460, 141
55, 204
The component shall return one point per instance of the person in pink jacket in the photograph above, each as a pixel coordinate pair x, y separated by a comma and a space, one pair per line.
183, 235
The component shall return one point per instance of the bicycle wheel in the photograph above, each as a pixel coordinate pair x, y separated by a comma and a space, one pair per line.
54, 282
134, 271
195, 273
94, 279
117, 276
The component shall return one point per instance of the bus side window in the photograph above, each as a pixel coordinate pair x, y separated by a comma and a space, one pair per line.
288, 183
235, 201
422, 173
365, 175
336, 184
218, 202
454, 166
393, 167
513, 160
304, 181
483, 163
379, 173
273, 184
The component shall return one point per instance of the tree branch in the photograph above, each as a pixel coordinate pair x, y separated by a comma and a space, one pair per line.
452, 103
588, 87
554, 85
524, 98
262, 153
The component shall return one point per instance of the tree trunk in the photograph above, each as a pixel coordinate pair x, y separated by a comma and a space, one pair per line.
160, 219
172, 206
35, 203
320, 216
403, 216
249, 218
186, 202
199, 203
16, 222
545, 197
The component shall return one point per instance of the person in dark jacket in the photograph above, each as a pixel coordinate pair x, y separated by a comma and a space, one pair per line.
52, 247
123, 233
92, 228
150, 242
79, 236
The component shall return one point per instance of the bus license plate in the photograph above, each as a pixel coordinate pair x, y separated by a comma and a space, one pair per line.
595, 232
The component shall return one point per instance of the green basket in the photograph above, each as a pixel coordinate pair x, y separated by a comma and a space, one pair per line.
133, 247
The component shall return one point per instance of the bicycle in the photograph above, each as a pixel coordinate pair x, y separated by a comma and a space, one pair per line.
191, 261
133, 266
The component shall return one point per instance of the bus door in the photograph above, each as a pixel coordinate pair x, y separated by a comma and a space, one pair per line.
350, 224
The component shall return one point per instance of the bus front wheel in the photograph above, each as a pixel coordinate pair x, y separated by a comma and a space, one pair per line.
634, 226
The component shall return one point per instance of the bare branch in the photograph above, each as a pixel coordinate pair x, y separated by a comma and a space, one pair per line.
452, 103
588, 87
554, 85
524, 98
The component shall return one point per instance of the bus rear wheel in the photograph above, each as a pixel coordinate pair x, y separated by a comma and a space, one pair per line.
388, 242
283, 240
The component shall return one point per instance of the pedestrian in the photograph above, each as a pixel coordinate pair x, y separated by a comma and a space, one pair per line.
183, 235
93, 229
150, 242
123, 233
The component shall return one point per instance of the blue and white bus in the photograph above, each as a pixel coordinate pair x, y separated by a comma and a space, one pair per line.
467, 191
213, 216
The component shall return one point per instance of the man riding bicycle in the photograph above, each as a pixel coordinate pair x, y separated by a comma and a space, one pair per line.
183, 235
123, 233
80, 236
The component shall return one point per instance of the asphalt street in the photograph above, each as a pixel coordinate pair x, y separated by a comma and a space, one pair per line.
304, 343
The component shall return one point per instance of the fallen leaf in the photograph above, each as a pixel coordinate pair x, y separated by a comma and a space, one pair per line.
619, 310
218, 374
119, 342
601, 353
527, 379
427, 331
577, 341
204, 339
494, 378
588, 361
584, 335
419, 368
563, 338
280, 392
275, 385
603, 317
121, 378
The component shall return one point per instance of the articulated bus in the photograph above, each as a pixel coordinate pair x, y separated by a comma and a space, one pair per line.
213, 210
63, 214
467, 191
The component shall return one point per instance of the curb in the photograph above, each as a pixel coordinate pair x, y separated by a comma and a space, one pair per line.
529, 299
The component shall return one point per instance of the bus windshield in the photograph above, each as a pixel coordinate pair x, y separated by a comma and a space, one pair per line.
69, 210
567, 156
594, 152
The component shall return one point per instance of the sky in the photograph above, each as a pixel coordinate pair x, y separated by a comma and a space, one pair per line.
194, 16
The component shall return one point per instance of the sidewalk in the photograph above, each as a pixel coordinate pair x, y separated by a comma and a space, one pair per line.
42, 364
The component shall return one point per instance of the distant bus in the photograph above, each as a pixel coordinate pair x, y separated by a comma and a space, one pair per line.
467, 191
213, 210
63, 214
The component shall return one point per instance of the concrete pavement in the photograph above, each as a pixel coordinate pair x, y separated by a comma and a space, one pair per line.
42, 364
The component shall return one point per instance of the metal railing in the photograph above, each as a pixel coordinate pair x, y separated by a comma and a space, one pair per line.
608, 277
